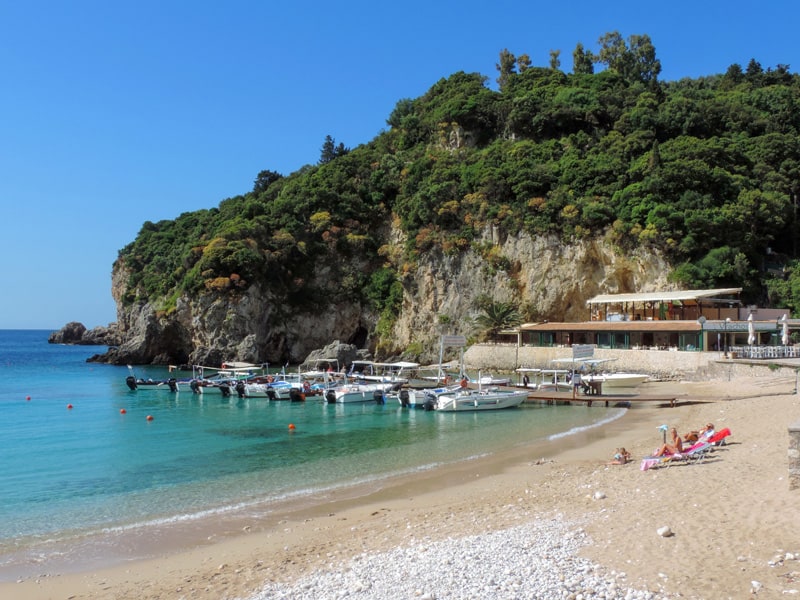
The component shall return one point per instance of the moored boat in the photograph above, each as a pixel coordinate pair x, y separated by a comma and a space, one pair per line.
424, 398
612, 379
359, 392
135, 383
554, 380
472, 400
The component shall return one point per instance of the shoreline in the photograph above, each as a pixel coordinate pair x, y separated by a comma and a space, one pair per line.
720, 545
112, 547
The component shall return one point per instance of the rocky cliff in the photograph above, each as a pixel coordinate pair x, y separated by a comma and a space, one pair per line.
440, 296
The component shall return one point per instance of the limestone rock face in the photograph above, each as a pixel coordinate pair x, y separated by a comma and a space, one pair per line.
211, 329
555, 279
441, 295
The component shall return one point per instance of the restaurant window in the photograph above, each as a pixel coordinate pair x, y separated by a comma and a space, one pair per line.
621, 340
603, 340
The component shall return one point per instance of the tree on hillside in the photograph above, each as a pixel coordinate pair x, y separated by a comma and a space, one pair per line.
265, 179
635, 61
330, 150
506, 67
555, 60
754, 69
582, 61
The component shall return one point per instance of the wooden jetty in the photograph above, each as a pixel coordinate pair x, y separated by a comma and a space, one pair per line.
548, 397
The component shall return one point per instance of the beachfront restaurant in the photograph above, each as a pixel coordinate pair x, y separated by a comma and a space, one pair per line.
691, 320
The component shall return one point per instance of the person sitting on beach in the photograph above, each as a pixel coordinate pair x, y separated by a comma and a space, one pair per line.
674, 448
701, 434
621, 457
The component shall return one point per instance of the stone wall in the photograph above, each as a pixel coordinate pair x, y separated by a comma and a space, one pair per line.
659, 364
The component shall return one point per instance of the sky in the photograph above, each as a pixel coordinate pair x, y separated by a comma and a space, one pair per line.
113, 114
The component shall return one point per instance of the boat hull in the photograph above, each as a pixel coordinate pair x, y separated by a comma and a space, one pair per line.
474, 400
620, 380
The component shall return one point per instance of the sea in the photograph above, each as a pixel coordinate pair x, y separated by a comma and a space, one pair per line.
92, 473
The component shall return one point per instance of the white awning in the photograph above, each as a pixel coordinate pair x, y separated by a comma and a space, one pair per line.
663, 296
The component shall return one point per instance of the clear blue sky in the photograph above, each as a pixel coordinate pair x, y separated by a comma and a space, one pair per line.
117, 113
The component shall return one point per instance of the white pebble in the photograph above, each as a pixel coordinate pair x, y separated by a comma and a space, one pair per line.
535, 560
664, 531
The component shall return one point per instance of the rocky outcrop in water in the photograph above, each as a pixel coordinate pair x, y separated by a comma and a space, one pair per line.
76, 333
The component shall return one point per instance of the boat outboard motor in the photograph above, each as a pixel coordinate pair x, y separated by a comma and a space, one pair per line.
195, 386
430, 401
404, 399
240, 388
296, 395
271, 394
225, 390
330, 396
173, 384
131, 381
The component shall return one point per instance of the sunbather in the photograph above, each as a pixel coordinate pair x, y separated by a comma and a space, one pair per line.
674, 448
700, 435
621, 457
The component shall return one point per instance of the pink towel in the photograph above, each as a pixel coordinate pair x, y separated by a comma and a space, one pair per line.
649, 462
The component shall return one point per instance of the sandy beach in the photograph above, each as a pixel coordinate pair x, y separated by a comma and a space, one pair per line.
735, 524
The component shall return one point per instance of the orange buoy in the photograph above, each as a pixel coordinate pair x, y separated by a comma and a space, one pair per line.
291, 427
122, 411
149, 417
69, 406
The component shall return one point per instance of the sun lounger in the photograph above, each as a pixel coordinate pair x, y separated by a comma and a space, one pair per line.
718, 439
697, 451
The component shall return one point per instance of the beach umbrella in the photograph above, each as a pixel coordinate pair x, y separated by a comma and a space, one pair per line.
785, 334
751, 330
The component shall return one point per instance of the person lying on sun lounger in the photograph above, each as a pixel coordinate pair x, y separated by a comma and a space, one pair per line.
700, 435
675, 447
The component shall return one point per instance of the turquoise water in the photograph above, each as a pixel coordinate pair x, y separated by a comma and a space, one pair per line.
68, 475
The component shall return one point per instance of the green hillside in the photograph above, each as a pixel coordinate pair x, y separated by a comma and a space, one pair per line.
706, 170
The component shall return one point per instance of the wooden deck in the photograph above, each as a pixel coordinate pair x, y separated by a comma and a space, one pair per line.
607, 399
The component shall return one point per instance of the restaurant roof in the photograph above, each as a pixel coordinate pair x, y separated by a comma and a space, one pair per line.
665, 296
615, 326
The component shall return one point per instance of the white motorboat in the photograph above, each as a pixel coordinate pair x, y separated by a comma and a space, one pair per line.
617, 380
472, 400
279, 389
529, 377
359, 392
613, 379
492, 380
554, 380
424, 398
